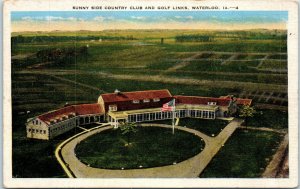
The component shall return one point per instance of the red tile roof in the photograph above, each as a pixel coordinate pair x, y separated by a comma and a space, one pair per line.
201, 100
243, 101
239, 101
124, 100
81, 109
56, 113
85, 109
136, 95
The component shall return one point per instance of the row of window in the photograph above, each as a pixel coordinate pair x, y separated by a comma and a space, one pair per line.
92, 119
202, 114
36, 122
168, 115
37, 131
145, 100
149, 116
62, 127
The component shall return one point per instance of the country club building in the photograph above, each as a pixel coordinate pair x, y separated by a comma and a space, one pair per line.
137, 106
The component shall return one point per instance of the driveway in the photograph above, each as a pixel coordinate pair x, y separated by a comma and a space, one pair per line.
190, 168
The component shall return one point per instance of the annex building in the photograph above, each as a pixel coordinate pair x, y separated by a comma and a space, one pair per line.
137, 106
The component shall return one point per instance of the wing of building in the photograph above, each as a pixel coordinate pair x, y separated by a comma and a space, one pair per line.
137, 106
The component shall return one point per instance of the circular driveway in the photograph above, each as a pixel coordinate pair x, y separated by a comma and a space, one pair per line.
190, 168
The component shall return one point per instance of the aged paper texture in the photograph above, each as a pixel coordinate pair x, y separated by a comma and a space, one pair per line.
102, 93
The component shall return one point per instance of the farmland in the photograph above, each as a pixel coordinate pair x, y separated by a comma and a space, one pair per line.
238, 64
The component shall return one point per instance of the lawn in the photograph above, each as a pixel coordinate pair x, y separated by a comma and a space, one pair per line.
245, 155
208, 127
274, 64
151, 147
275, 119
135, 85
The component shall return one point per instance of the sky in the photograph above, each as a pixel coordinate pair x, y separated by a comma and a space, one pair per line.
101, 20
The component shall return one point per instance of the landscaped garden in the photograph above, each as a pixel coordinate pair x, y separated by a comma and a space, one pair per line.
149, 147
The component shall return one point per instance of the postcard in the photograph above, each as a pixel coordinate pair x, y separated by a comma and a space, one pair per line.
177, 94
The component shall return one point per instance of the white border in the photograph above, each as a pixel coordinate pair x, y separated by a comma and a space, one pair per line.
60, 5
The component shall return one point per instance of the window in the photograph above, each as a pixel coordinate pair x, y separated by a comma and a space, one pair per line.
158, 115
211, 103
36, 122
44, 132
135, 101
29, 130
205, 114
146, 100
156, 100
193, 113
112, 108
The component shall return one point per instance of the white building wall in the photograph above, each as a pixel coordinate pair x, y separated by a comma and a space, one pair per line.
62, 127
37, 129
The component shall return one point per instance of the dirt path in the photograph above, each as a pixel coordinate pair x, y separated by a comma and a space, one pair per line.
274, 168
190, 168
280, 131
183, 63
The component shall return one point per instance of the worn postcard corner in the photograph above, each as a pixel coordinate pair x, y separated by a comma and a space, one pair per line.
150, 94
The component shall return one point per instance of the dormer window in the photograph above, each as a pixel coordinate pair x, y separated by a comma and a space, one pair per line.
156, 100
211, 103
146, 100
112, 108
135, 101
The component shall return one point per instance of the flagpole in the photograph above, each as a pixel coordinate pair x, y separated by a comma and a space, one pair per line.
173, 119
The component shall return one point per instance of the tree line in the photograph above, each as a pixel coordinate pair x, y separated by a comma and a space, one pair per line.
31, 39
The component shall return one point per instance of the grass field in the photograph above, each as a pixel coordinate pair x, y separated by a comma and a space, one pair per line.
107, 63
208, 127
150, 148
270, 118
245, 155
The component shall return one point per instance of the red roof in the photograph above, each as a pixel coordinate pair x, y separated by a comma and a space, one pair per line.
239, 101
136, 95
124, 100
242, 101
82, 109
201, 100
56, 113
85, 109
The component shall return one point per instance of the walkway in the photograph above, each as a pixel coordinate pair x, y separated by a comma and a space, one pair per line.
190, 168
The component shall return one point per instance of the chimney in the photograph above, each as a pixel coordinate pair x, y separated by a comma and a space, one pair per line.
117, 91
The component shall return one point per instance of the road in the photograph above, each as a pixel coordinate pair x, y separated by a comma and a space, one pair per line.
190, 168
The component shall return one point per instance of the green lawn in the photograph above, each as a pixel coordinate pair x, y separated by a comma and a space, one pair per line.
208, 127
271, 64
245, 155
258, 78
275, 119
151, 147
109, 85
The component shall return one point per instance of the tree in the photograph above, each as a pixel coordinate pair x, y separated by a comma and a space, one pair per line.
246, 111
127, 129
